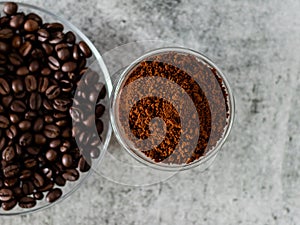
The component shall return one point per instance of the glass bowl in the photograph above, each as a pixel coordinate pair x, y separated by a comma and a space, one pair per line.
96, 63
124, 129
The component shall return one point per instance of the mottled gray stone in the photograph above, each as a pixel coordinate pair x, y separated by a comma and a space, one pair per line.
256, 177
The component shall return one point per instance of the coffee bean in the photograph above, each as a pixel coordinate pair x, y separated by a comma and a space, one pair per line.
4, 87
11, 170
47, 186
99, 110
48, 48
43, 84
18, 149
25, 174
35, 101
25, 125
61, 104
37, 53
4, 47
33, 150
27, 188
4, 122
76, 54
53, 195
99, 126
48, 119
67, 160
69, 66
18, 106
16, 43
6, 101
2, 142
5, 195
51, 131
30, 163
38, 124
25, 48
35, 17
102, 92
2, 59
17, 86
34, 66
70, 37
62, 51
60, 181
43, 35
17, 21
51, 155
25, 139
6, 33
40, 139
8, 153
27, 202
11, 132
22, 71
9, 205
55, 143
83, 165
47, 172
46, 71
38, 180
85, 49
52, 92
66, 145
30, 115
10, 8
47, 105
31, 25
53, 63
38, 196
71, 175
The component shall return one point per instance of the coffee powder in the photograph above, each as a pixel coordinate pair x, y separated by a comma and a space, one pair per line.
173, 108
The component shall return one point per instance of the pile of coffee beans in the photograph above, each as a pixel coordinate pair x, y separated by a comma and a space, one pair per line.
188, 96
41, 66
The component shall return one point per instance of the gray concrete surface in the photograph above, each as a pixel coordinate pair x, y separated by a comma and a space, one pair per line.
256, 177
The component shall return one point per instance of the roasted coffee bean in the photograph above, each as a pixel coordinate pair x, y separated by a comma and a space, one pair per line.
67, 160
6, 101
46, 71
11, 170
5, 195
70, 37
17, 21
35, 17
4, 87
18, 149
30, 115
10, 8
37, 53
11, 132
25, 48
53, 63
31, 25
9, 205
16, 43
53, 195
69, 67
48, 119
4, 47
51, 155
43, 35
25, 139
62, 51
40, 139
66, 85
17, 86
35, 101
6, 33
2, 59
38, 124
66, 145
15, 59
61, 104
99, 110
2, 71
51, 131
48, 173
38, 196
27, 202
43, 84
47, 105
83, 165
102, 92
30, 83
52, 92
85, 49
2, 142
18, 106
71, 175
55, 143
25, 174
27, 188
47, 186
25, 125
8, 153
76, 54
34, 66
62, 123
99, 126
38, 180
30, 163
10, 182
17, 192
33, 150
60, 181
48, 48
22, 71
4, 122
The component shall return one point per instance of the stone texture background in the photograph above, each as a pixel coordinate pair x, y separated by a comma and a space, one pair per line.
256, 177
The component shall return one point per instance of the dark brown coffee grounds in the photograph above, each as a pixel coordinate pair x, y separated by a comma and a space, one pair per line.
161, 86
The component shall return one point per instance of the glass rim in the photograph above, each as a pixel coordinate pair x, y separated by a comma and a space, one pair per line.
210, 153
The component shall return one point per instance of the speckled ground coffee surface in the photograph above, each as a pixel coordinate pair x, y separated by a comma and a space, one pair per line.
256, 177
